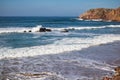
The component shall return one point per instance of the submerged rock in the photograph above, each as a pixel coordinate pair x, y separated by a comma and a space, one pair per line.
64, 30
102, 14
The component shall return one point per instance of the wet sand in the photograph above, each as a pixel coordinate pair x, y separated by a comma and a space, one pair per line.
87, 64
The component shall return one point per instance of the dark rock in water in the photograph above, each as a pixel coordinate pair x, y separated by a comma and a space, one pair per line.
29, 31
40, 30
64, 30
25, 31
44, 30
48, 30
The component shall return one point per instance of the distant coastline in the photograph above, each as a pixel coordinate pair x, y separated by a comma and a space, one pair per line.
103, 14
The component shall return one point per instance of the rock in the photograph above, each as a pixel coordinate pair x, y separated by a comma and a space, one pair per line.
117, 69
102, 14
116, 76
107, 78
64, 30
44, 30
117, 73
24, 31
29, 31
48, 30
39, 30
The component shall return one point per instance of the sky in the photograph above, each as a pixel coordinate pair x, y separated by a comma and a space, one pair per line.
52, 7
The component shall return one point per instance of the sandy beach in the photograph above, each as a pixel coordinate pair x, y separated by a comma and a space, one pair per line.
90, 63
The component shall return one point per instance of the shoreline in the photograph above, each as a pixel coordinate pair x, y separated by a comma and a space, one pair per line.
89, 63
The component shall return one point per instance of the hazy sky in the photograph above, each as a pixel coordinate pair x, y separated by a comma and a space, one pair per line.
52, 7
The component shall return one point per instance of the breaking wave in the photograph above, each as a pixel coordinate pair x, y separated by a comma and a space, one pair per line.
35, 29
59, 46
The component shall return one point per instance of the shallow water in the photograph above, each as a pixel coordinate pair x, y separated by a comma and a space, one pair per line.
87, 64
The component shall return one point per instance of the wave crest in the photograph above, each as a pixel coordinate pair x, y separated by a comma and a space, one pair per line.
35, 29
59, 46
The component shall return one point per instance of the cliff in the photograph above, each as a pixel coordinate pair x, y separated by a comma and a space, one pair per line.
102, 13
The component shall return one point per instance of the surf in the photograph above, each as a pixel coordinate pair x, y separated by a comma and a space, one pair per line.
59, 46
36, 28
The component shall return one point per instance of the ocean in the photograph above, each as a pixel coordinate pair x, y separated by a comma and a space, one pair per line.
86, 33
82, 34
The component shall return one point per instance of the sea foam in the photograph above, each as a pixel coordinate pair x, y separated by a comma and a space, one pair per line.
59, 46
35, 29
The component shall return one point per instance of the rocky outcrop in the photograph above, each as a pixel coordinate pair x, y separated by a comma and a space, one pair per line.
42, 29
102, 13
116, 76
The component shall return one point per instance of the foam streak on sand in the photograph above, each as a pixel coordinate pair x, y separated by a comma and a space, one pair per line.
58, 46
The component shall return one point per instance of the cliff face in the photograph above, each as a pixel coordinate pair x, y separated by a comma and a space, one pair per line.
102, 13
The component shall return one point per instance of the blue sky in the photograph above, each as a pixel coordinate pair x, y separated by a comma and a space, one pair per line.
52, 7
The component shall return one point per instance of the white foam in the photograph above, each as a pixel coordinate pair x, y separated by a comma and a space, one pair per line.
9, 30
81, 28
97, 19
19, 29
37, 28
93, 27
92, 20
74, 60
59, 46
79, 19
113, 26
86, 27
89, 19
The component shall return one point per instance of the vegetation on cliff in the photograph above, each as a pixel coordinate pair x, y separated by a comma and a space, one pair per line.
102, 13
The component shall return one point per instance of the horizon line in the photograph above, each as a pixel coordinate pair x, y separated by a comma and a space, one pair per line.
39, 16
